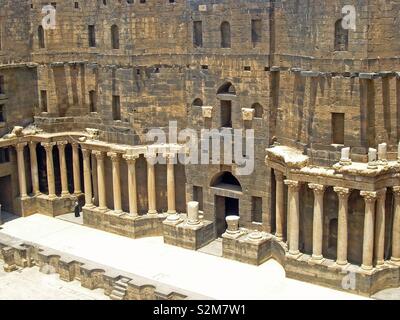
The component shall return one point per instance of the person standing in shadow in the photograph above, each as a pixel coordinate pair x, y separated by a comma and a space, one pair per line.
77, 210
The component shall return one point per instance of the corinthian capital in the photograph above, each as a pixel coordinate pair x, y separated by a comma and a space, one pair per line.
342, 192
369, 196
293, 185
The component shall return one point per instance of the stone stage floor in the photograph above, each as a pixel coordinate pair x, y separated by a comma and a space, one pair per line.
198, 272
31, 284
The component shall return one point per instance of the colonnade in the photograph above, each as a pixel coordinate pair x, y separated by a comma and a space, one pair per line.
374, 222
48, 146
116, 159
100, 156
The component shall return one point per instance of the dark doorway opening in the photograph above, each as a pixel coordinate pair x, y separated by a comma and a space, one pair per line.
225, 206
6, 194
226, 114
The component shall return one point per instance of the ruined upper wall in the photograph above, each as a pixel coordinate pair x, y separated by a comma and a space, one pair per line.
298, 33
15, 33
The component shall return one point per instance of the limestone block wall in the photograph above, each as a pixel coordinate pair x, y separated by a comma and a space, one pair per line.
15, 35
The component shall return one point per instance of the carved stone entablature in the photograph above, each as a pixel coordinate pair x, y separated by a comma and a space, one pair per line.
289, 157
248, 114
207, 111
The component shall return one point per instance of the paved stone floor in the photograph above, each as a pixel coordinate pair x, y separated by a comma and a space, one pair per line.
31, 284
194, 271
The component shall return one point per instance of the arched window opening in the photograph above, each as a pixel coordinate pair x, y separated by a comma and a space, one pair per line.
225, 35
41, 37
341, 37
258, 110
227, 88
226, 180
197, 103
115, 37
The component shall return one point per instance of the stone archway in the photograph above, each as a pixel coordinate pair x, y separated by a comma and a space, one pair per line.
227, 192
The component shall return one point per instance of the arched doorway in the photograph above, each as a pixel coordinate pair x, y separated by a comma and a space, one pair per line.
227, 196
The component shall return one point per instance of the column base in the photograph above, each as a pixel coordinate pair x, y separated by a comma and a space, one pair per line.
294, 254
135, 214
64, 194
152, 212
103, 209
279, 237
89, 206
52, 196
339, 266
395, 261
171, 212
316, 261
366, 269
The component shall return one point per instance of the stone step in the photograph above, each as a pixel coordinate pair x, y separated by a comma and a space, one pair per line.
120, 287
118, 293
114, 297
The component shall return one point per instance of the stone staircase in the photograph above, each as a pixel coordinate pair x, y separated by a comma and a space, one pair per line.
120, 288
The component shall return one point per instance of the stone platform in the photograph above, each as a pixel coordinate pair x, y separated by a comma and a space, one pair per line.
67, 245
257, 247
124, 224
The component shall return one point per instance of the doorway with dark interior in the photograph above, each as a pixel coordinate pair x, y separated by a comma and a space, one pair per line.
224, 207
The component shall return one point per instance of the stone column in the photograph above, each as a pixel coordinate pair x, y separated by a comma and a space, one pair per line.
132, 188
343, 195
87, 178
21, 169
396, 228
76, 168
151, 183
279, 207
318, 220
380, 228
294, 216
63, 167
50, 168
101, 179
34, 167
116, 175
171, 183
369, 223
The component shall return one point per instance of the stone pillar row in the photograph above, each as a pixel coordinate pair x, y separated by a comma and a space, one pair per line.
132, 185
48, 146
374, 222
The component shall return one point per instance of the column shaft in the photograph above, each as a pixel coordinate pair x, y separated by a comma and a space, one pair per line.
50, 168
87, 178
171, 183
318, 220
34, 167
369, 221
101, 180
132, 189
396, 227
76, 168
63, 167
21, 170
116, 175
343, 195
151, 184
294, 216
279, 210
380, 228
